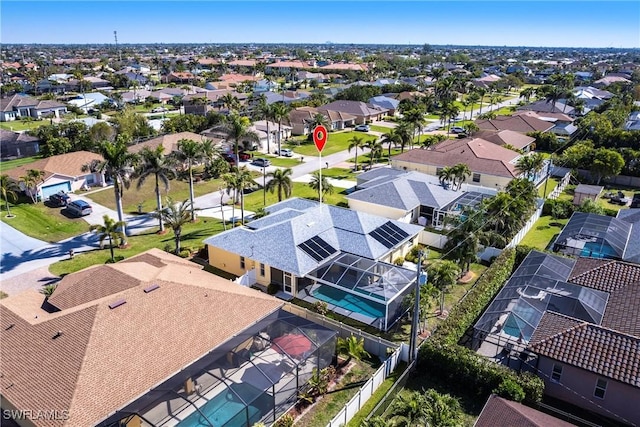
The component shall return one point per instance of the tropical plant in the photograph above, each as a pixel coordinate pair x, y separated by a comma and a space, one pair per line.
154, 163
530, 165
48, 290
317, 182
446, 175
236, 130
442, 275
409, 409
175, 216
190, 152
230, 181
358, 143
392, 137
280, 181
280, 113
352, 347
416, 118
443, 410
319, 119
230, 101
110, 230
427, 293
375, 151
405, 132
460, 173
118, 164
243, 181
31, 181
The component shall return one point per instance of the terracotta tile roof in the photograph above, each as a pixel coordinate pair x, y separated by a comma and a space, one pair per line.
169, 142
622, 310
499, 412
481, 156
504, 137
590, 347
69, 164
518, 123
85, 371
243, 63
609, 276
583, 265
238, 78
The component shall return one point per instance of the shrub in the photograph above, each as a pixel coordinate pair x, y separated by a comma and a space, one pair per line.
509, 389
321, 307
185, 253
559, 209
284, 421
273, 288
399, 261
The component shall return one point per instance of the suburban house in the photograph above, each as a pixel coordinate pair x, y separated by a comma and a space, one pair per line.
517, 123
95, 82
286, 67
20, 106
268, 139
572, 322
609, 79
169, 142
201, 348
491, 165
502, 412
14, 145
61, 173
180, 77
364, 112
319, 252
387, 103
301, 119
562, 123
89, 101
507, 138
486, 81
412, 197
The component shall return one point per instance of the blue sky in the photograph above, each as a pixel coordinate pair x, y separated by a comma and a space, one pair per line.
495, 23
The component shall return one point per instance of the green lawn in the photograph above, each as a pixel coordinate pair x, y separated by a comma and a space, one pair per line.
5, 165
364, 159
20, 125
283, 162
543, 232
253, 200
602, 201
44, 223
178, 191
192, 236
551, 184
339, 173
382, 129
336, 142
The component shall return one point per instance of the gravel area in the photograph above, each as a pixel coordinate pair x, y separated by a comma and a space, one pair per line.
34, 279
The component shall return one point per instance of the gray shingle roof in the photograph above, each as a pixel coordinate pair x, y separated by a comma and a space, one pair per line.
274, 239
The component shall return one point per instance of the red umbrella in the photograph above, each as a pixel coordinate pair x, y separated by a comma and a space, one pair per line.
295, 345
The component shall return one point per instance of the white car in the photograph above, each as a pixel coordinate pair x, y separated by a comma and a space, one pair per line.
159, 110
362, 128
286, 152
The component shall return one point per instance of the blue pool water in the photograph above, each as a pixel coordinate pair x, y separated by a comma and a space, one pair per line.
349, 301
227, 410
598, 250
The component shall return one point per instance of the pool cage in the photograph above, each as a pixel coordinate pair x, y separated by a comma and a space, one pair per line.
593, 236
539, 284
363, 289
254, 377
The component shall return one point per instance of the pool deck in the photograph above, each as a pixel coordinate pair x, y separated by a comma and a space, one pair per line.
367, 320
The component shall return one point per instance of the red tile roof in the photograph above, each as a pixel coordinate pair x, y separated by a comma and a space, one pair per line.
517, 123
69, 164
499, 412
590, 347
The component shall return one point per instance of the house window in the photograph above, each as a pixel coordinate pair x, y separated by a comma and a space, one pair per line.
288, 282
476, 177
556, 374
262, 269
242, 263
438, 170
601, 388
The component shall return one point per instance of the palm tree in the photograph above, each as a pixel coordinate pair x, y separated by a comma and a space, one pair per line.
391, 138
190, 151
243, 180
9, 191
527, 93
415, 116
446, 175
443, 274
280, 181
109, 230
352, 347
554, 94
473, 97
118, 163
231, 102
153, 162
409, 409
442, 410
176, 215
464, 239
405, 132
318, 182
48, 290
320, 119
481, 93
460, 174
236, 129
375, 151
530, 165
31, 181
280, 113
230, 180
356, 142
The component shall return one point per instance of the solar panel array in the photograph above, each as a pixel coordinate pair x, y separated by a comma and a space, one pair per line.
389, 234
317, 248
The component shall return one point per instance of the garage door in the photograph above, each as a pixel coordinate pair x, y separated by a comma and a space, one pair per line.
52, 189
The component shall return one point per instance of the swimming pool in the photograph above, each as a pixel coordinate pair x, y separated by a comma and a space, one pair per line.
598, 250
349, 301
223, 410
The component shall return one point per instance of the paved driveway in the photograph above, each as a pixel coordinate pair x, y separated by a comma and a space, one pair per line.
14, 242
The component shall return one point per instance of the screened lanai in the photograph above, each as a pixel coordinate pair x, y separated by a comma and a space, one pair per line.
539, 284
594, 236
253, 378
363, 289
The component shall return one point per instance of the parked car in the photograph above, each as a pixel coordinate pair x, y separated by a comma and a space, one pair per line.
285, 152
262, 162
79, 208
159, 110
229, 158
59, 199
244, 157
362, 128
457, 129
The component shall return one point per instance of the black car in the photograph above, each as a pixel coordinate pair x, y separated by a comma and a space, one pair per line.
59, 199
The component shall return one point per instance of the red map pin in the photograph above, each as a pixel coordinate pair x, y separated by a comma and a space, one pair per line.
320, 137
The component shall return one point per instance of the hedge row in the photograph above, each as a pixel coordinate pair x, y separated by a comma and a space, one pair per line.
443, 357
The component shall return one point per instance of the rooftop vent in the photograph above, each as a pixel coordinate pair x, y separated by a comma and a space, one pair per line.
10, 326
151, 288
57, 335
117, 304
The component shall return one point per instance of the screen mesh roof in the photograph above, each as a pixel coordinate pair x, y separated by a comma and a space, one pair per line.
539, 284
599, 235
389, 234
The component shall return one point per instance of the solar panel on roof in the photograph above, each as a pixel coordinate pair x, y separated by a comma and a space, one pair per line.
389, 234
317, 248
